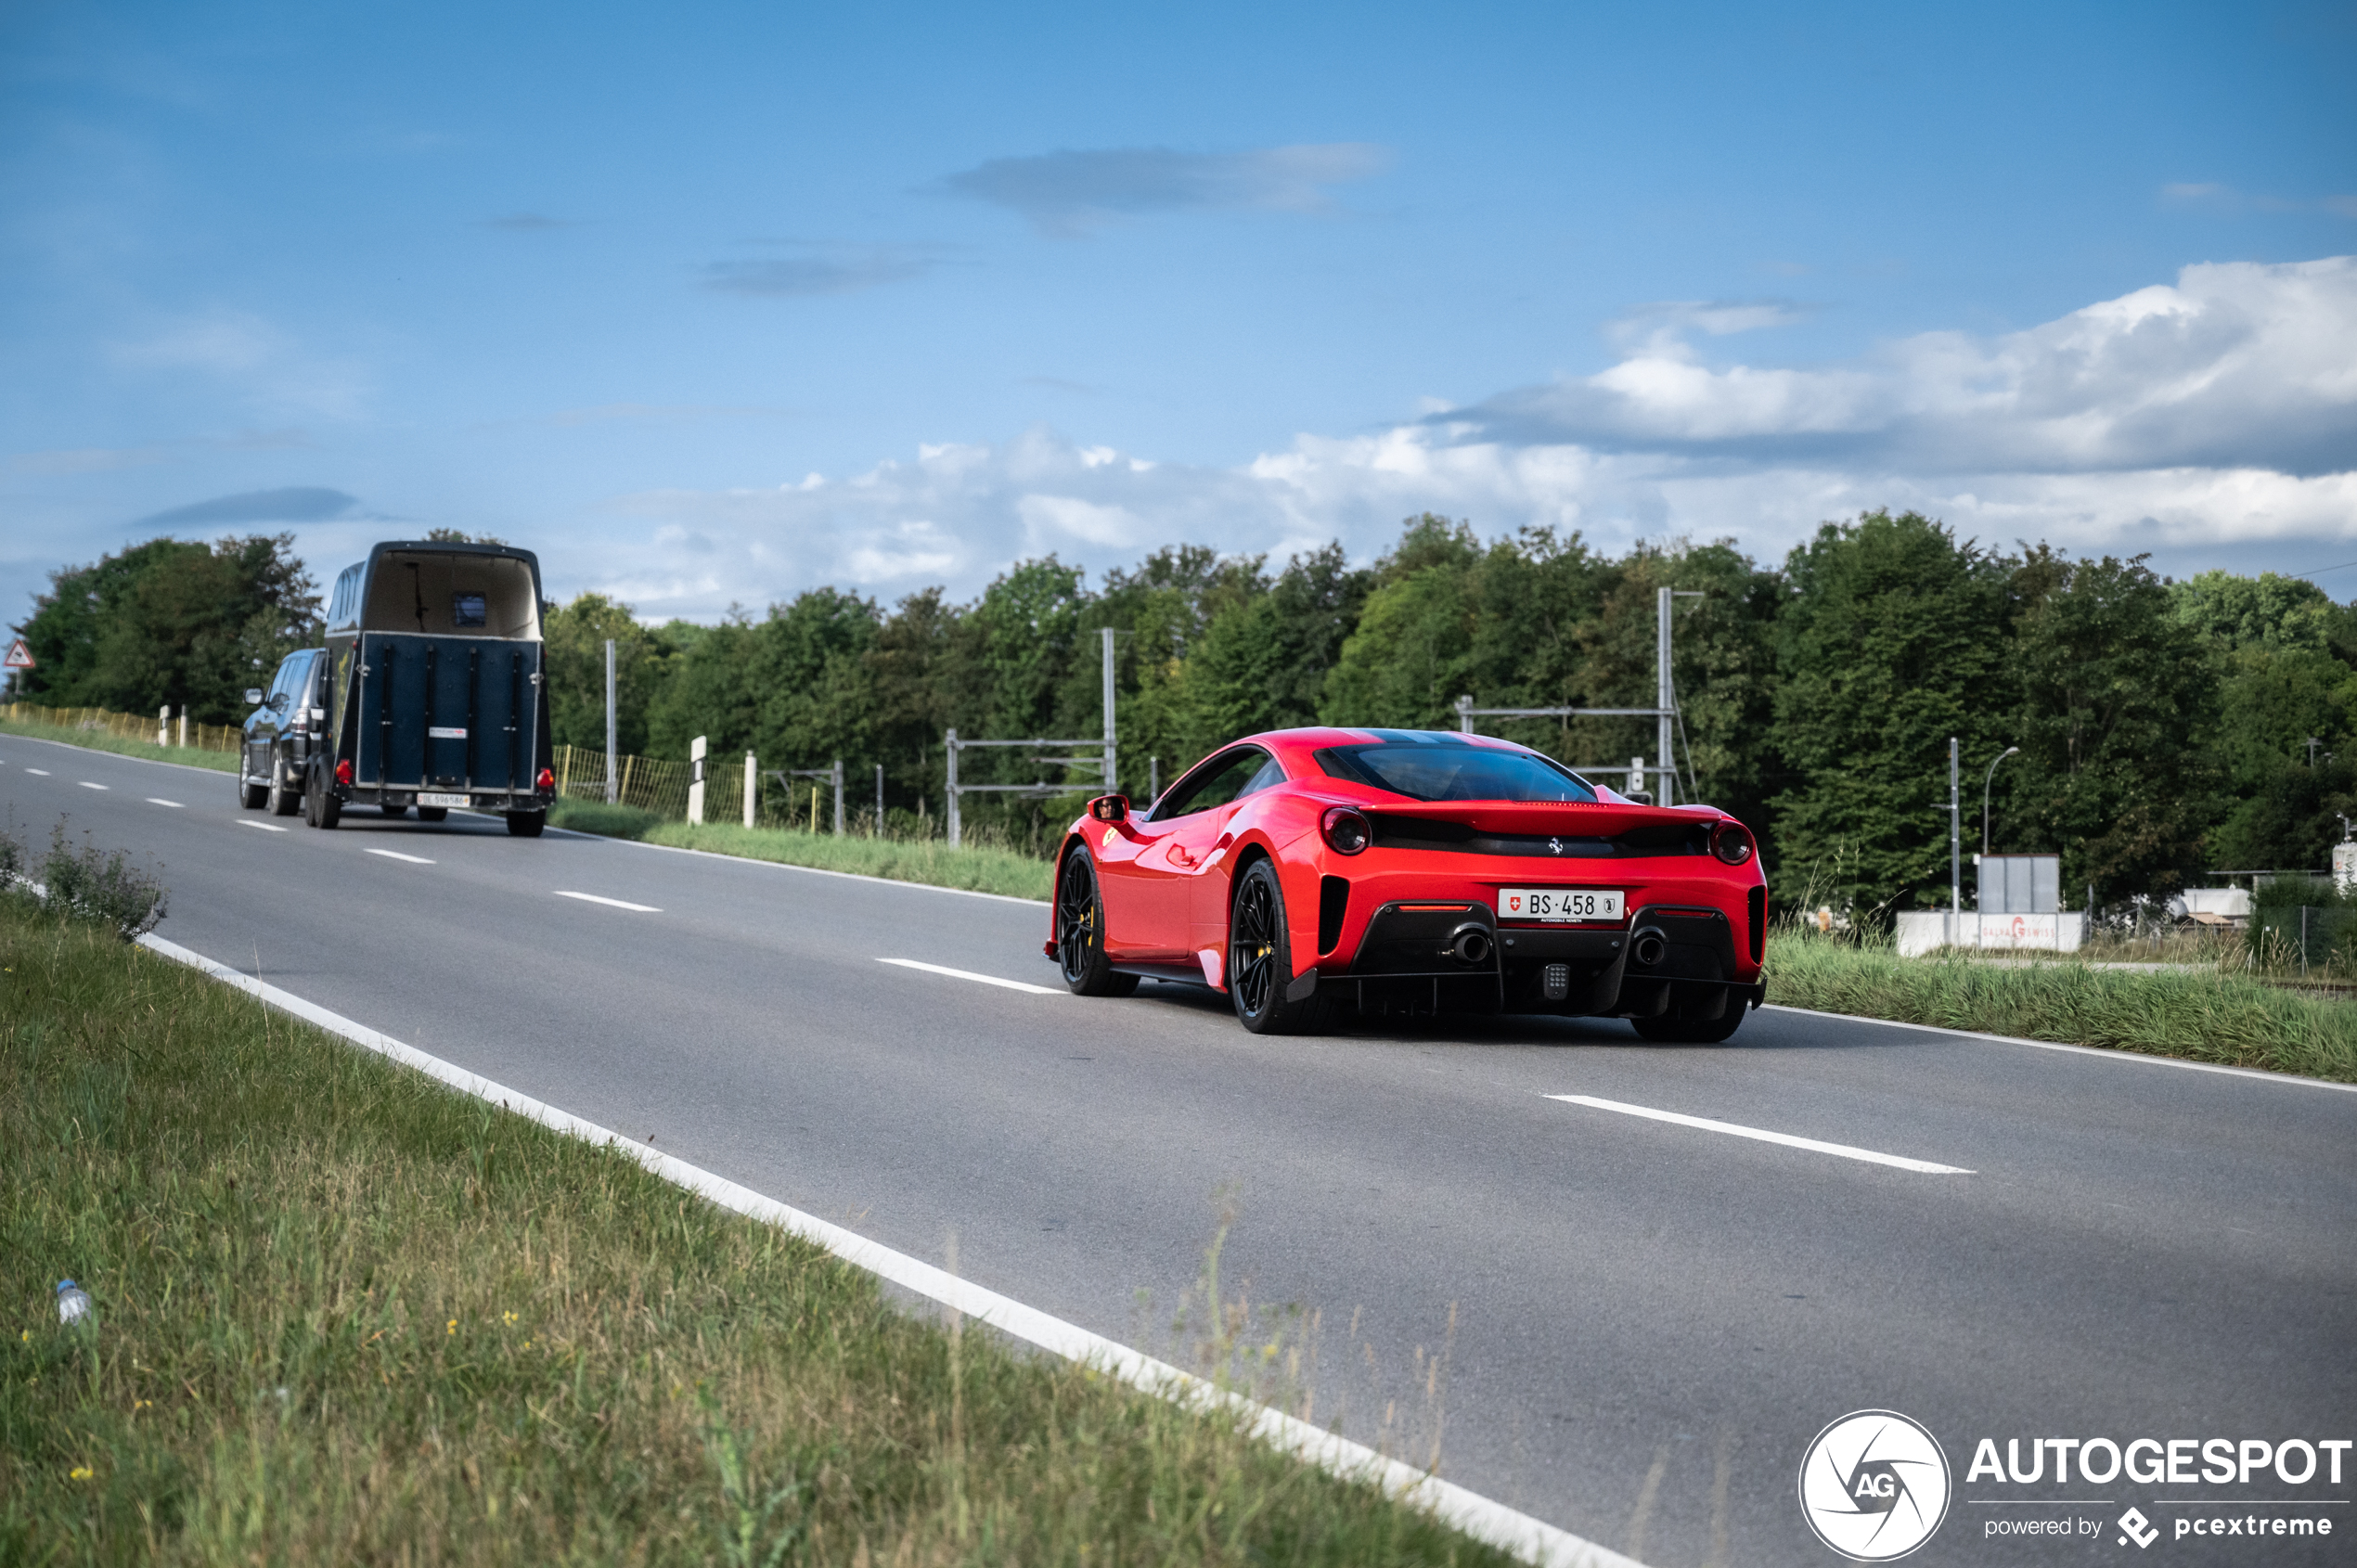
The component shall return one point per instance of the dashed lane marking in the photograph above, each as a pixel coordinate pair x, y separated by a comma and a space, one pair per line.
158, 800
1845, 1150
977, 979
611, 902
266, 826
396, 854
87, 784
38, 772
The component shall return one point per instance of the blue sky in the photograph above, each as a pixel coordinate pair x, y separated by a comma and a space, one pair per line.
712, 303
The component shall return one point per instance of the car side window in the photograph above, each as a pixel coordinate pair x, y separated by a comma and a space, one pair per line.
1218, 782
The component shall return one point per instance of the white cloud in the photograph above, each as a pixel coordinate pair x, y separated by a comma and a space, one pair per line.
265, 366
2222, 407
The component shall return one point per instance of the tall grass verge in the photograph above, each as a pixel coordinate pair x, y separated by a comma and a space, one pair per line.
977, 867
344, 1314
2215, 1016
99, 741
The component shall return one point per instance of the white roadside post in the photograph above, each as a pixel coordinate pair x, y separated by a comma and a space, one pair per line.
752, 785
184, 726
163, 724
1109, 773
1636, 776
838, 781
875, 827
612, 793
695, 781
950, 755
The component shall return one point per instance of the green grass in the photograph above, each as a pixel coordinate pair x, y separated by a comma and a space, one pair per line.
980, 869
344, 1314
99, 741
2205, 1016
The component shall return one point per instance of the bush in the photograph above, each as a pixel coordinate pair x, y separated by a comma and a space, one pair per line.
2280, 938
87, 884
596, 817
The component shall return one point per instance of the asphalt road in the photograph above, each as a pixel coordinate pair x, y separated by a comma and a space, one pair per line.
1651, 1319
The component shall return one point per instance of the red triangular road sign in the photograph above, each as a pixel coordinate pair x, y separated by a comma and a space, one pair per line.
20, 657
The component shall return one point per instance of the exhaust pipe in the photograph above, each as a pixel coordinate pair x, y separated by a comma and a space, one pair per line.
1469, 943
1648, 947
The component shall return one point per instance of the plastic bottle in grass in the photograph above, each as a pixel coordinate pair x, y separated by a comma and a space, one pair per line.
73, 1302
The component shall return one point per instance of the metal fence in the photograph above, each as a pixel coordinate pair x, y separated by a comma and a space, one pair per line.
127, 726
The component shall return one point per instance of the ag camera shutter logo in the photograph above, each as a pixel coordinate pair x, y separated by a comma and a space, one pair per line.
1875, 1485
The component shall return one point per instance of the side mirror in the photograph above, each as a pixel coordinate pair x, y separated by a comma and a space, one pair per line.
1110, 808
253, 697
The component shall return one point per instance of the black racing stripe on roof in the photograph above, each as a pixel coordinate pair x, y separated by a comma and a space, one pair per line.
1417, 736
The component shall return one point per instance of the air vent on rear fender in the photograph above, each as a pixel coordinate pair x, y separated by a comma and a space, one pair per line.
1758, 899
1333, 903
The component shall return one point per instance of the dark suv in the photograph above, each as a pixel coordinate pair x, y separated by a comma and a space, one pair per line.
280, 733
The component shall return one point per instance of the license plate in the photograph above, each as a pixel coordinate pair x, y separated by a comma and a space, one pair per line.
466, 800
1559, 903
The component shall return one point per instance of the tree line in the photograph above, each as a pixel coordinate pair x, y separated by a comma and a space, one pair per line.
2166, 730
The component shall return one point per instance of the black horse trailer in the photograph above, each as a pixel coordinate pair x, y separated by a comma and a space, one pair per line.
436, 695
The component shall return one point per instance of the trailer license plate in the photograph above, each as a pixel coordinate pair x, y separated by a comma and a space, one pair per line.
424, 799
1558, 903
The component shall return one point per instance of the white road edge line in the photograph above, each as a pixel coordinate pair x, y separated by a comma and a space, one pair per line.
979, 978
811, 870
2107, 1052
118, 756
266, 826
614, 903
1534, 1540
1846, 1150
87, 784
158, 800
396, 854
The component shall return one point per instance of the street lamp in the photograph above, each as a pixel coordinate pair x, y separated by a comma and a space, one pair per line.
1984, 797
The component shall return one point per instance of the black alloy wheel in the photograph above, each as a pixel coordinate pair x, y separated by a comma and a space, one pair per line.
1080, 926
1261, 958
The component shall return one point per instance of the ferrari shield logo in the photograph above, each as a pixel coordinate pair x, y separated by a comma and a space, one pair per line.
1109, 836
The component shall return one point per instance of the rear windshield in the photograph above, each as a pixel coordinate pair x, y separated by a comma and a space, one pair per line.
1456, 773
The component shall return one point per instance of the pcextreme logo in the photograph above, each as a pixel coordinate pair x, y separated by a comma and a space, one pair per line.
1875, 1485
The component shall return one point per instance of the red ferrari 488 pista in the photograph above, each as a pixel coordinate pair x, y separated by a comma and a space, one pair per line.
1387, 870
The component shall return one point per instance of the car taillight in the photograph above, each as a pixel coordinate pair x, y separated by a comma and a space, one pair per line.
547, 781
343, 771
1347, 830
1731, 841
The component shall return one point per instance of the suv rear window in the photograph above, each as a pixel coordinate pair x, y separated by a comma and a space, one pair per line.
1430, 771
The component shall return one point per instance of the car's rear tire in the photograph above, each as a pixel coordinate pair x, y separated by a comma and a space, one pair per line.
432, 813
1669, 1029
283, 800
526, 824
1261, 958
1081, 930
250, 794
